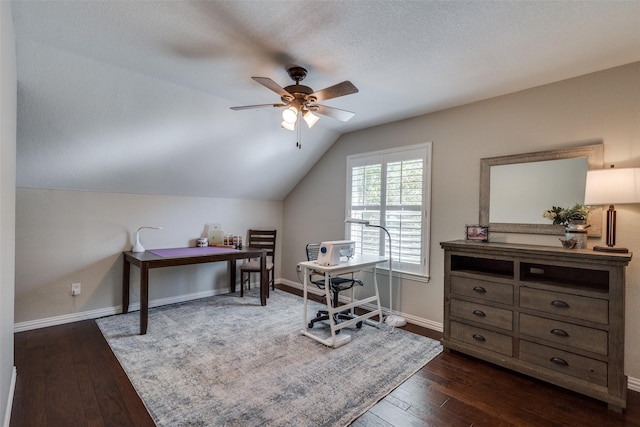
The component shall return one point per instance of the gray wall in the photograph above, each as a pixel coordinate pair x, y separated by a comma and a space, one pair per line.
602, 106
8, 88
63, 237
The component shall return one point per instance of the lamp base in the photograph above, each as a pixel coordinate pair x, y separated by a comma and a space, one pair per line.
611, 249
138, 246
395, 320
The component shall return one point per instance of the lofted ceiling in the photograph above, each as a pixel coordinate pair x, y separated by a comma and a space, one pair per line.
135, 96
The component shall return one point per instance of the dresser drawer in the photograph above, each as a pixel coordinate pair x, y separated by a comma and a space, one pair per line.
574, 306
487, 315
577, 336
490, 291
584, 368
482, 338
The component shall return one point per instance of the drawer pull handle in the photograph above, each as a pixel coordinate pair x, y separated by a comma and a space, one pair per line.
479, 337
559, 361
560, 333
479, 289
479, 313
559, 304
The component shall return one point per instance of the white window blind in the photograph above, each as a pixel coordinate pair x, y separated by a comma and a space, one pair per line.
391, 188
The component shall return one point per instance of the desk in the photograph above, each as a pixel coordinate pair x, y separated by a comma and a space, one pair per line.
185, 256
356, 263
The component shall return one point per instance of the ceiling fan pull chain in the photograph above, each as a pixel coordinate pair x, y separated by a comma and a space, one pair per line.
298, 143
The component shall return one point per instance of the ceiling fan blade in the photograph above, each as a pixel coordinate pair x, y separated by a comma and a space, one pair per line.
270, 84
254, 107
341, 89
336, 113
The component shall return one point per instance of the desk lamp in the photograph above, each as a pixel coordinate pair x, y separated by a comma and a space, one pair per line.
609, 187
394, 320
138, 246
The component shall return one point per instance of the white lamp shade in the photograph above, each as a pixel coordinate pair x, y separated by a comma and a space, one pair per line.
612, 186
290, 115
310, 118
288, 126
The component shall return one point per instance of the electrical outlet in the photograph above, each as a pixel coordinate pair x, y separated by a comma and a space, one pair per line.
299, 268
75, 289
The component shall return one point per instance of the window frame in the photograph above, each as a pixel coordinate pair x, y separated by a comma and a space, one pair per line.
419, 271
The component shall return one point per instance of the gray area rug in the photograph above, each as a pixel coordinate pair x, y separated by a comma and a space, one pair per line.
227, 361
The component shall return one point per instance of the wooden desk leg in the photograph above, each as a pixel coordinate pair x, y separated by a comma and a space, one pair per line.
144, 298
264, 280
126, 269
232, 275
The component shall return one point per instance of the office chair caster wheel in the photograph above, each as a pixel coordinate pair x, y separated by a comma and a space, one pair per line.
359, 325
310, 325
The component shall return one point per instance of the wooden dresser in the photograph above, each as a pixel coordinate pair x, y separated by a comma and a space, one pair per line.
552, 313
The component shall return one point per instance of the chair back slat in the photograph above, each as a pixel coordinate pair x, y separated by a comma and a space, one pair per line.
263, 239
312, 251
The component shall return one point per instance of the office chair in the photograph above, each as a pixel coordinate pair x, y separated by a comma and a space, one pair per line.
263, 239
338, 284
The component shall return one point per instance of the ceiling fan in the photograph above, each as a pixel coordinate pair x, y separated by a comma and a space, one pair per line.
301, 101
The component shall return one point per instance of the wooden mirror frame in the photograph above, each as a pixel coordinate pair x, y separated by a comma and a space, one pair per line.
595, 160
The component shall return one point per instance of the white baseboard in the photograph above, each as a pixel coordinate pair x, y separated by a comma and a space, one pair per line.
12, 389
109, 311
176, 299
66, 318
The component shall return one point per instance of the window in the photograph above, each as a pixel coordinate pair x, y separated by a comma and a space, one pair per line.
391, 188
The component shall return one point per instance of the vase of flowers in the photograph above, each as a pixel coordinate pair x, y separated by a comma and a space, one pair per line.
574, 220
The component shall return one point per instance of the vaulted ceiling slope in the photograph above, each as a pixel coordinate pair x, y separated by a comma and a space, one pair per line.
134, 96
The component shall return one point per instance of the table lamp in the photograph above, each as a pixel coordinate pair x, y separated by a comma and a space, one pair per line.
611, 187
137, 247
394, 320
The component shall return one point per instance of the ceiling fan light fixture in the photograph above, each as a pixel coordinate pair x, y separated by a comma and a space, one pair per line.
300, 101
290, 115
310, 118
288, 126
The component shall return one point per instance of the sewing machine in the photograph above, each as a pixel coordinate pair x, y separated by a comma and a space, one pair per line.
331, 252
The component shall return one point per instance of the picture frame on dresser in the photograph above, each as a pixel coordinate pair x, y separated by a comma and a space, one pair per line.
476, 233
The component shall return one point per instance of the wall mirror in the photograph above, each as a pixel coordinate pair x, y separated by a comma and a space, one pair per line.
516, 189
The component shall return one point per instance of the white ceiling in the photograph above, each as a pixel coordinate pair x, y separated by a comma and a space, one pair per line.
134, 96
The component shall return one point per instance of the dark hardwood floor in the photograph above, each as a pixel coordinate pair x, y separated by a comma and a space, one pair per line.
68, 376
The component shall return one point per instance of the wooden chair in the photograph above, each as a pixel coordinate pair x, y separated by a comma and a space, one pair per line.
263, 239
